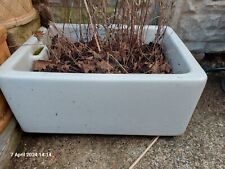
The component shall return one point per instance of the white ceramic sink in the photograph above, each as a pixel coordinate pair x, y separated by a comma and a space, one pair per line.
127, 104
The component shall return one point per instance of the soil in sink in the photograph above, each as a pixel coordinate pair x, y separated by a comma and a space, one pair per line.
81, 57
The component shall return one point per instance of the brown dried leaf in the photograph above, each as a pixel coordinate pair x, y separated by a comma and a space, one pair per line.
40, 65
87, 68
38, 34
166, 68
104, 65
156, 67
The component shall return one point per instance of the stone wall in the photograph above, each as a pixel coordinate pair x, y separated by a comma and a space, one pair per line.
200, 24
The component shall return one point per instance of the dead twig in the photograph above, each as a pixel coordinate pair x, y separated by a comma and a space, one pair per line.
121, 66
92, 25
142, 155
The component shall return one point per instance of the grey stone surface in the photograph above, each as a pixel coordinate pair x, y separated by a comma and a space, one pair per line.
201, 146
205, 47
9, 141
200, 24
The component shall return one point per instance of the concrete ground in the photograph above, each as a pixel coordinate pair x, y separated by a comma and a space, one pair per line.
201, 146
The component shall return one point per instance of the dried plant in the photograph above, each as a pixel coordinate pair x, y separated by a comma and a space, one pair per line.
122, 49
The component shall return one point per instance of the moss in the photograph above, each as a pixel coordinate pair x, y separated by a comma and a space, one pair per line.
38, 51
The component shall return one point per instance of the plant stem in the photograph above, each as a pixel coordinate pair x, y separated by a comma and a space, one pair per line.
92, 25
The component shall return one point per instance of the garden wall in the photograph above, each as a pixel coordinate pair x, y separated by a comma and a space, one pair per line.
200, 24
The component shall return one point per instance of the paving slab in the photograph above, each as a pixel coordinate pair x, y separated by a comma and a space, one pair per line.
201, 146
